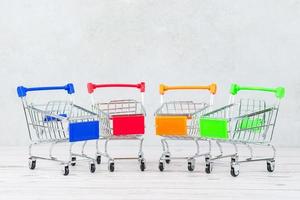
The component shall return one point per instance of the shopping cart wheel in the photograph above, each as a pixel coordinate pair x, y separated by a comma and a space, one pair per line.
234, 171
142, 165
111, 166
271, 165
92, 167
32, 164
73, 162
66, 170
208, 167
98, 159
191, 165
167, 158
161, 166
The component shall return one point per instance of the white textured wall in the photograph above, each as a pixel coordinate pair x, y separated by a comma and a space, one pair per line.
172, 41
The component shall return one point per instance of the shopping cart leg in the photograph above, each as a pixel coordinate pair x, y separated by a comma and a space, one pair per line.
92, 165
220, 149
197, 147
271, 162
30, 150
31, 160
251, 152
111, 162
274, 151
141, 158
167, 146
82, 149
141, 154
208, 162
166, 156
235, 156
98, 153
72, 157
192, 160
106, 149
65, 169
234, 166
167, 153
51, 150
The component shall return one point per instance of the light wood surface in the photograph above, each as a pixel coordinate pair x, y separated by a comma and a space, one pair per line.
127, 182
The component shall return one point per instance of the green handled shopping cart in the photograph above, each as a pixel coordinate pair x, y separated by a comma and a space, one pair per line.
248, 122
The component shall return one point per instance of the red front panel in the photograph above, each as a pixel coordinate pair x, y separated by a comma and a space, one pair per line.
128, 124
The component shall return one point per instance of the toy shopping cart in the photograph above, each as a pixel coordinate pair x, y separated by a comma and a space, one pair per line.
178, 120
120, 120
249, 122
59, 122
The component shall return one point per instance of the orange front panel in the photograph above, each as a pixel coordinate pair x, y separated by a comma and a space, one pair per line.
171, 125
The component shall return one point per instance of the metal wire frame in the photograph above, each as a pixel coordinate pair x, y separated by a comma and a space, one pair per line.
249, 134
47, 124
105, 112
241, 130
193, 111
184, 108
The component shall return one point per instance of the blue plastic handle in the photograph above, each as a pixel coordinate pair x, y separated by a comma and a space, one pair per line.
22, 91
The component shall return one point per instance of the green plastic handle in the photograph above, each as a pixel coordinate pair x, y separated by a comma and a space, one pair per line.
279, 91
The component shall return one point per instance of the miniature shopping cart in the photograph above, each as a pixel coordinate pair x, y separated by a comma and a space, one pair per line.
120, 120
249, 122
59, 122
178, 120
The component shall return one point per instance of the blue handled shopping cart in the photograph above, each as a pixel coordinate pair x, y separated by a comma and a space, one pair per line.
57, 122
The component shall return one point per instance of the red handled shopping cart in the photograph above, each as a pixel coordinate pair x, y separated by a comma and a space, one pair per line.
120, 120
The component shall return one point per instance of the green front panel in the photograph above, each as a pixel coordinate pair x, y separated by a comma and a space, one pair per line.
254, 125
213, 128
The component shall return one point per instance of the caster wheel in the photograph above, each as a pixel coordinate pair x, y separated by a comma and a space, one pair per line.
66, 170
32, 164
111, 167
208, 168
234, 171
142, 165
98, 160
161, 166
271, 165
92, 167
191, 165
73, 161
167, 159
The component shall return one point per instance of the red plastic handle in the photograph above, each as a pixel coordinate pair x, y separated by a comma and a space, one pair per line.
91, 86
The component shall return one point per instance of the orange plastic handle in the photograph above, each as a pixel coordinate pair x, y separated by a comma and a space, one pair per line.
212, 88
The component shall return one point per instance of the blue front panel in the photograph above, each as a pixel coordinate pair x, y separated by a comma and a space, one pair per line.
82, 131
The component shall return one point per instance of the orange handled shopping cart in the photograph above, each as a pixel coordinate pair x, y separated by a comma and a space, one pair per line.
178, 120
